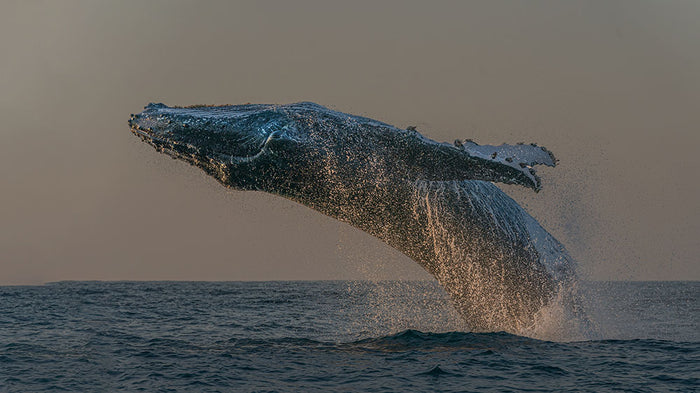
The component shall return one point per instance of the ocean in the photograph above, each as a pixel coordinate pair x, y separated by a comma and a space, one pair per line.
332, 336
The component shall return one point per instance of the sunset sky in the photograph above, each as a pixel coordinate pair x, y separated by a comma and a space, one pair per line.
611, 87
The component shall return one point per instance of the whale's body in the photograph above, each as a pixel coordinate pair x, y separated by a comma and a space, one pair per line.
434, 202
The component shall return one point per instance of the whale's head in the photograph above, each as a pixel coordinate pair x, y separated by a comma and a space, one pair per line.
234, 144
272, 148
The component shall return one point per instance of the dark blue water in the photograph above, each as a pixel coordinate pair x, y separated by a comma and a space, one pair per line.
330, 336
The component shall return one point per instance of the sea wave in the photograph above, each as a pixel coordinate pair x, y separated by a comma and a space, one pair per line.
95, 337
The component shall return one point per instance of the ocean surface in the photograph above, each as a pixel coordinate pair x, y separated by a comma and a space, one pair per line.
332, 336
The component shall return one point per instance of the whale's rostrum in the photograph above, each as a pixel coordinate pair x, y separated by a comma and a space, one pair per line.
435, 202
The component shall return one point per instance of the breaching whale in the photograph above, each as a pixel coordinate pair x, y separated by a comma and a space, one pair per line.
435, 202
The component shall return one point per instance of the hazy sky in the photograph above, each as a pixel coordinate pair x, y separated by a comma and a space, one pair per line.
612, 87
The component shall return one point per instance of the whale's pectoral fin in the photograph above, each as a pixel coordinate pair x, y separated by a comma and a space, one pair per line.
520, 157
511, 164
520, 154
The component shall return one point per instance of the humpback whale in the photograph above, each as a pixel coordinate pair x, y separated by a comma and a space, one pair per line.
435, 202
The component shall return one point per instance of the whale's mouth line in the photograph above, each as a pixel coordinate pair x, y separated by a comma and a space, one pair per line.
172, 148
190, 153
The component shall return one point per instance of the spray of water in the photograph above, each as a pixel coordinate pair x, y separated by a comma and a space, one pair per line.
500, 269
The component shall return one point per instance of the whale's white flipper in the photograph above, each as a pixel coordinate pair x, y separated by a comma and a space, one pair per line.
521, 157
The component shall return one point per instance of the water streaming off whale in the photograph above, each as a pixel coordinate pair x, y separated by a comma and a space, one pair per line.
435, 202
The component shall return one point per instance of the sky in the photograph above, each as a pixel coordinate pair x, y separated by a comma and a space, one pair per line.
611, 87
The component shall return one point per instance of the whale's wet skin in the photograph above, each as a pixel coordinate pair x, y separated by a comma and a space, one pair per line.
435, 202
